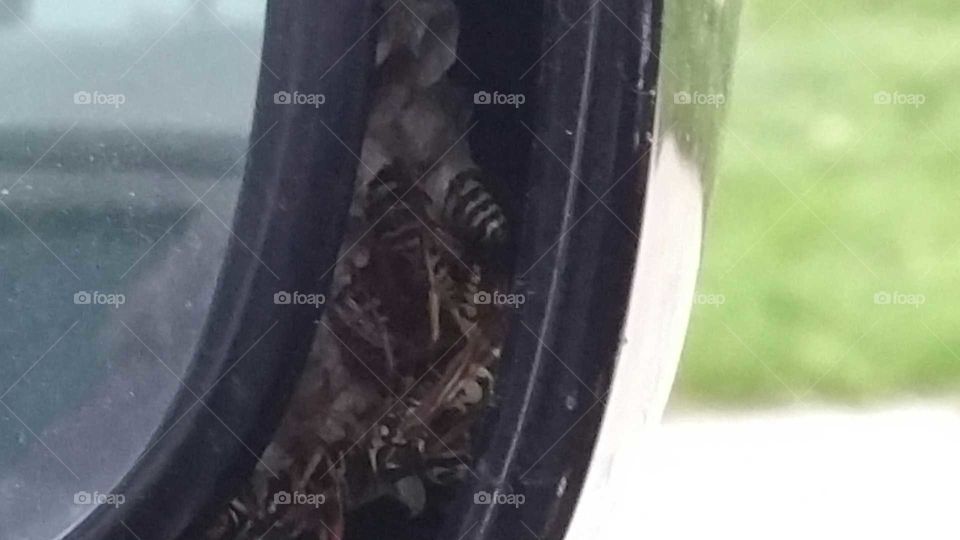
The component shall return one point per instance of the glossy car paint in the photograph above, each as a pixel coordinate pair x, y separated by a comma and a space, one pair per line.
698, 39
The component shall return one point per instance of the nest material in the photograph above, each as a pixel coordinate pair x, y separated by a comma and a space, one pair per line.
403, 359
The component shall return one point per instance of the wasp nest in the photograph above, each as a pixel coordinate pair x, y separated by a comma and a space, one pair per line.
403, 358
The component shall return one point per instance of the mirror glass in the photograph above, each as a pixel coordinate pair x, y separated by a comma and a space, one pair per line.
124, 128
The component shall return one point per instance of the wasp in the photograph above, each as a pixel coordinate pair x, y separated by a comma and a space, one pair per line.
402, 364
404, 358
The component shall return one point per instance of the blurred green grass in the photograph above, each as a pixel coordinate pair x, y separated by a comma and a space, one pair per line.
825, 199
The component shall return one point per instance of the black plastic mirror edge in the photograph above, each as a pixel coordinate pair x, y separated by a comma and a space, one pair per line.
596, 100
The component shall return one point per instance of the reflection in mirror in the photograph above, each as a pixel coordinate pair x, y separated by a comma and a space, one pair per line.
123, 133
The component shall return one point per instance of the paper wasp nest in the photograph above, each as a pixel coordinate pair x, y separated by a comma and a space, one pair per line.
403, 359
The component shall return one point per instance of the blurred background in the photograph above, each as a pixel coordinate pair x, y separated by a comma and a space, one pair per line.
830, 271
817, 396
